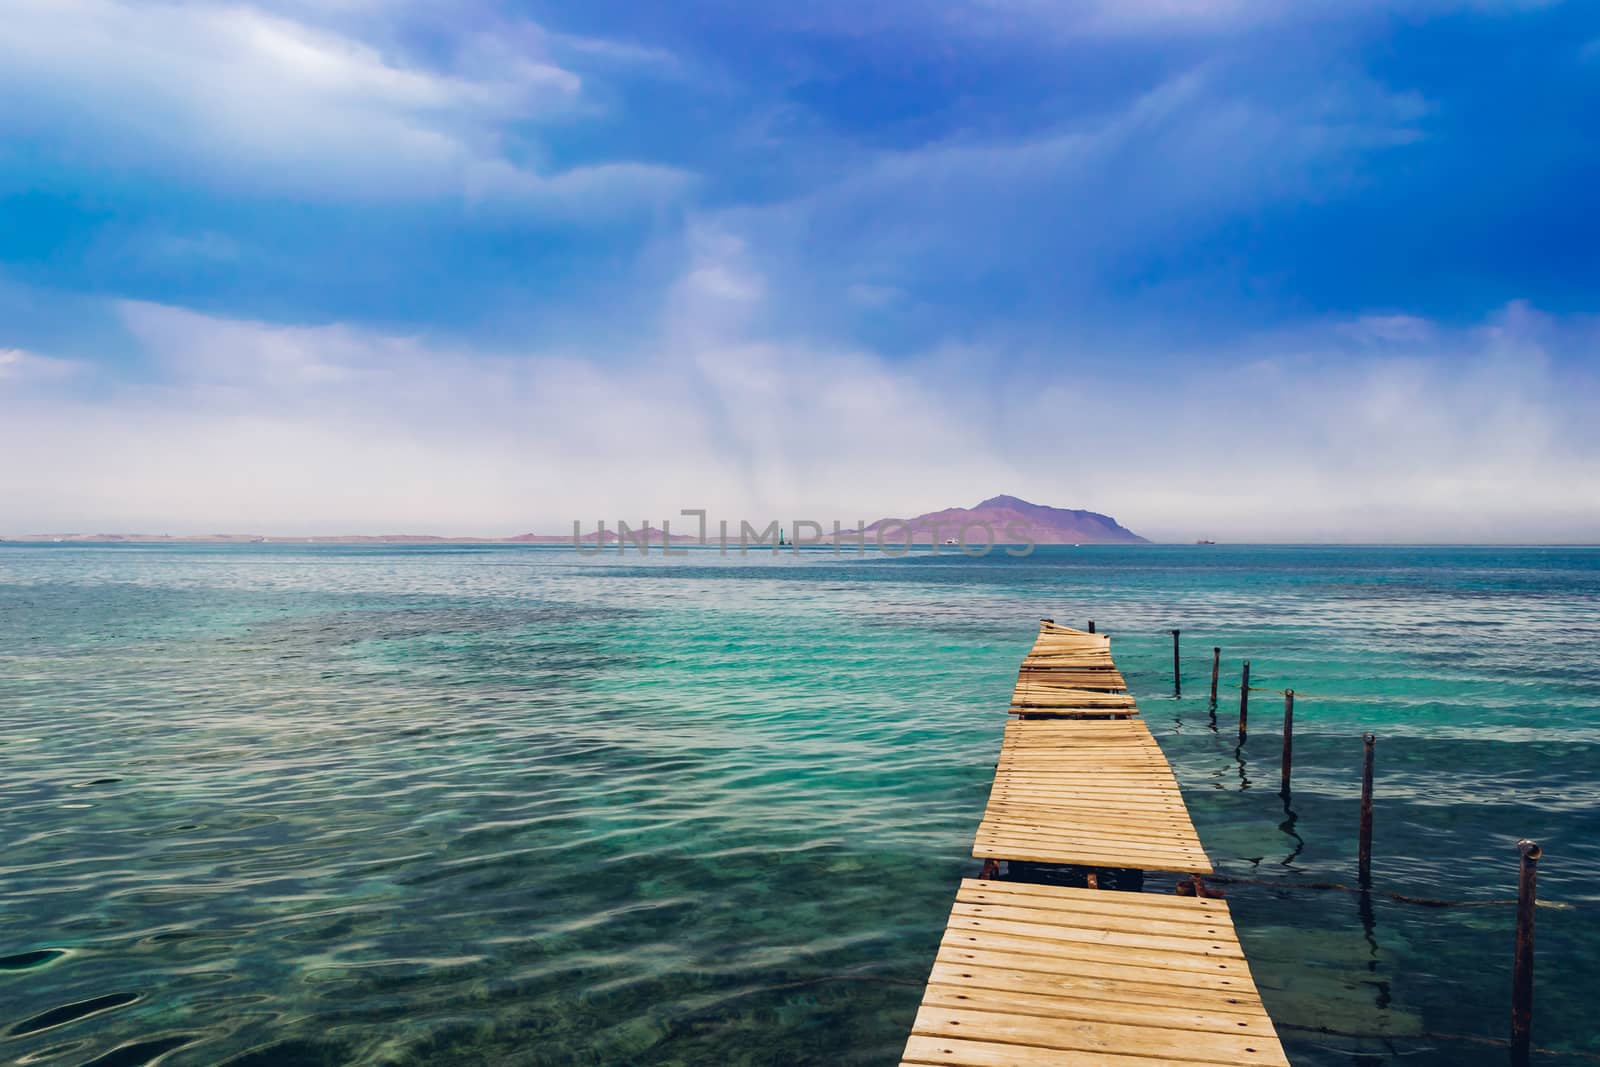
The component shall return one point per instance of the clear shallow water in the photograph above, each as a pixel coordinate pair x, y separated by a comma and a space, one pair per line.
286, 805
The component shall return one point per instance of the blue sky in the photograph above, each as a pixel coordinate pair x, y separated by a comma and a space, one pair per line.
1241, 269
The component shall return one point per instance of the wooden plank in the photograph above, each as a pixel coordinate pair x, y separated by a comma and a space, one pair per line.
1226, 1007
1042, 827
1092, 1037
1158, 825
1198, 911
1095, 929
1032, 738
1086, 678
1065, 835
1100, 920
1046, 626
1086, 854
925, 1051
961, 953
1084, 786
1039, 735
1027, 943
1132, 731
1088, 805
1128, 754
1048, 697
1129, 780
1089, 854
1073, 713
1027, 811
967, 994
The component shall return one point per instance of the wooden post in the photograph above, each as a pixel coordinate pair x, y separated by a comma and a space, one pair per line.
1244, 700
1366, 809
1288, 737
1216, 668
1177, 677
1522, 972
1091, 626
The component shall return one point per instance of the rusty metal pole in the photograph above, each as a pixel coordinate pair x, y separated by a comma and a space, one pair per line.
1288, 737
1177, 677
1216, 668
1244, 700
1522, 973
1368, 740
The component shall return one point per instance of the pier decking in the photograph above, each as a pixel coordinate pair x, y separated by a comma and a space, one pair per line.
1030, 974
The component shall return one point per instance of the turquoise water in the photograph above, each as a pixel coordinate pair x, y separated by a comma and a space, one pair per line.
422, 805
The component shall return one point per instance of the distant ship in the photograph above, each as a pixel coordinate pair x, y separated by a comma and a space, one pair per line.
1203, 541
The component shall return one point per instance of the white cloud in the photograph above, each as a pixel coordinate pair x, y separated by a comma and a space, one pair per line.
1380, 429
18, 366
1383, 329
1128, 16
246, 98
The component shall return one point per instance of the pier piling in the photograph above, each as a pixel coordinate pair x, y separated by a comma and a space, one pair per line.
1091, 626
1288, 737
1177, 676
1522, 972
1244, 700
1365, 861
1216, 668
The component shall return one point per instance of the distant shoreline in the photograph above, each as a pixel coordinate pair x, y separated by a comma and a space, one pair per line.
257, 539
424, 540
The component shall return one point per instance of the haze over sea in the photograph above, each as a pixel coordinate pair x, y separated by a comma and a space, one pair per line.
276, 804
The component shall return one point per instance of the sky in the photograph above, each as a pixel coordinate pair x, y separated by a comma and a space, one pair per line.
1267, 270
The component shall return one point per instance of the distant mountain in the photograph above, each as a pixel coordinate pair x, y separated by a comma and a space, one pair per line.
1008, 516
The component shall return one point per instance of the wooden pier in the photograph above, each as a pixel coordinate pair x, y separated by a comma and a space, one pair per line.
1032, 973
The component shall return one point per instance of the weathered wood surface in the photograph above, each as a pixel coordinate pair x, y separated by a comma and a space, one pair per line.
1088, 794
1058, 647
1036, 698
1028, 974
1032, 975
1110, 681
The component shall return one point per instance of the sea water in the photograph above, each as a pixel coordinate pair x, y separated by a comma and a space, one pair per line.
278, 804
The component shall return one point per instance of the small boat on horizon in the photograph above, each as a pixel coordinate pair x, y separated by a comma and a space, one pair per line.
1203, 541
